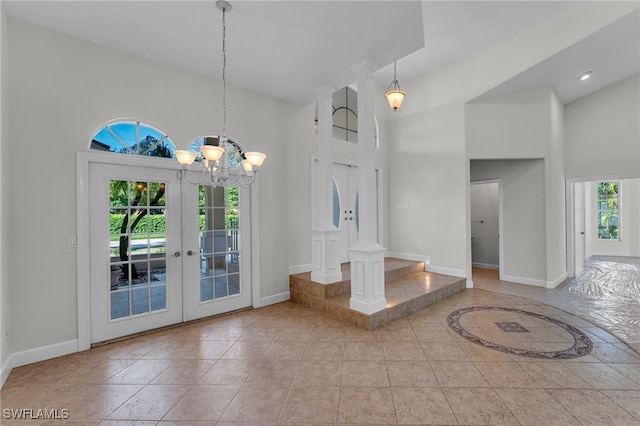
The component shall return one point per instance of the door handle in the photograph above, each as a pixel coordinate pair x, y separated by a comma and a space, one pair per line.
176, 254
190, 253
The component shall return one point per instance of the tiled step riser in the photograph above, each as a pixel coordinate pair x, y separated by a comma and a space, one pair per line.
334, 311
322, 297
377, 319
327, 291
403, 309
395, 274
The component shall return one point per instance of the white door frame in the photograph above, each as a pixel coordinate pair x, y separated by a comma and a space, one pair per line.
500, 224
83, 160
570, 211
579, 228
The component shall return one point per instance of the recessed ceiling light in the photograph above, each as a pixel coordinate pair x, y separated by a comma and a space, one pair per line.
585, 76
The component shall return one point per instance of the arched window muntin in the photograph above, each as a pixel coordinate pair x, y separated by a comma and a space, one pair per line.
345, 116
235, 150
132, 137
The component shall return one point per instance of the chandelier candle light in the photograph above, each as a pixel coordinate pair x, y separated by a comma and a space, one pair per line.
395, 96
215, 164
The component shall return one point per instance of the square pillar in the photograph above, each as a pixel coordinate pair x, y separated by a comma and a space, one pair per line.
325, 266
367, 280
367, 256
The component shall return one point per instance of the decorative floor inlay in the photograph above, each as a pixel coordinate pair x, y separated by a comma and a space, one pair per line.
582, 345
511, 327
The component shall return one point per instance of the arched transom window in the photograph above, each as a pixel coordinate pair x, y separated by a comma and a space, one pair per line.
345, 116
133, 138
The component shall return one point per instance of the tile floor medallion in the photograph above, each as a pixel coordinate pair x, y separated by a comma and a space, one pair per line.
511, 327
553, 339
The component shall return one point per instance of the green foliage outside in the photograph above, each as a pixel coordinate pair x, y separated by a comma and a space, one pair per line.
149, 220
608, 210
156, 223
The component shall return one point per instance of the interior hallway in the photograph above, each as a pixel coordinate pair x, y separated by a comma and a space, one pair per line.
286, 364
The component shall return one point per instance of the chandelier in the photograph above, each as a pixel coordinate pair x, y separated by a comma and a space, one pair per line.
215, 166
395, 96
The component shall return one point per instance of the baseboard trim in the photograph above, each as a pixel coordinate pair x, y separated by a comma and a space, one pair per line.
44, 352
276, 298
18, 359
485, 265
6, 370
556, 283
299, 269
527, 281
410, 256
460, 273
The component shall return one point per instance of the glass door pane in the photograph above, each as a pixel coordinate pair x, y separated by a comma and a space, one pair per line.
135, 250
137, 243
219, 224
215, 273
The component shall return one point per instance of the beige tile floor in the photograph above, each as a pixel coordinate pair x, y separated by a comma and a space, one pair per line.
285, 364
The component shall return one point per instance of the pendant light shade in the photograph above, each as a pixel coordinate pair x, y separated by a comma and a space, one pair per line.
394, 95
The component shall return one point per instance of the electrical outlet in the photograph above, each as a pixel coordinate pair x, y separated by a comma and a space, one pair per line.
72, 241
275, 281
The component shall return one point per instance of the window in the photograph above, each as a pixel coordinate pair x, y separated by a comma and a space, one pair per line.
133, 138
345, 116
608, 210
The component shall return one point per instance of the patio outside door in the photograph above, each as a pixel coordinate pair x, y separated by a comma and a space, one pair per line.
162, 251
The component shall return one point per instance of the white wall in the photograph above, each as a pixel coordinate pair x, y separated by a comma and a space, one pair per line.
62, 90
4, 194
485, 246
428, 156
603, 132
517, 125
629, 243
523, 221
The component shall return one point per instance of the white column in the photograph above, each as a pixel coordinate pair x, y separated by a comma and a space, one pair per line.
367, 256
324, 236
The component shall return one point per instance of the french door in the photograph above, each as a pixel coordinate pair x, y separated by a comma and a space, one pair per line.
346, 207
216, 268
162, 251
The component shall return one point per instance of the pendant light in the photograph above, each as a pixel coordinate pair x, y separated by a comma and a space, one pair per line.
215, 165
394, 95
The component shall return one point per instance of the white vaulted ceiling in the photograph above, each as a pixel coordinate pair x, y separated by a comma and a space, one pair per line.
287, 49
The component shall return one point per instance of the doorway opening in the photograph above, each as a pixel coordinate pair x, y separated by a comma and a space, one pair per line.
586, 220
486, 228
